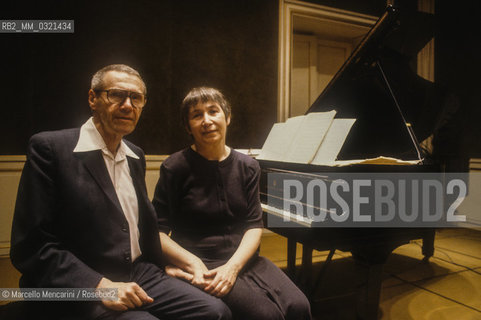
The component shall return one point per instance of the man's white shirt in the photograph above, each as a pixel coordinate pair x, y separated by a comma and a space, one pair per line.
119, 171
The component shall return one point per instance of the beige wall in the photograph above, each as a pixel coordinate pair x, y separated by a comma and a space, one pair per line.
10, 171
152, 172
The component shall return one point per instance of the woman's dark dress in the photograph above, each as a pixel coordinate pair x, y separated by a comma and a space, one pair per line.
208, 206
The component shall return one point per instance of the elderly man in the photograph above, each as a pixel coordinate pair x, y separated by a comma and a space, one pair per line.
83, 218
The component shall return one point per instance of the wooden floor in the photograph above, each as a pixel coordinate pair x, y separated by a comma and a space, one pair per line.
448, 287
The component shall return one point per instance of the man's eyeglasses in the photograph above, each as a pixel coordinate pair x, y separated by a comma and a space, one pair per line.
138, 100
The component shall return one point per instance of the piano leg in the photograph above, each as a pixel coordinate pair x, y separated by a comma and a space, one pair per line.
305, 276
368, 302
368, 295
428, 244
320, 275
291, 258
303, 279
373, 258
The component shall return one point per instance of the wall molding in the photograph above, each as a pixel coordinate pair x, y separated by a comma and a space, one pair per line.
10, 171
12, 163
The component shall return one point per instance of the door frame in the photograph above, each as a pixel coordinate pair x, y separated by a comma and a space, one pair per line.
287, 10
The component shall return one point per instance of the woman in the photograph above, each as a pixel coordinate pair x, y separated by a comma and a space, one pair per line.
208, 196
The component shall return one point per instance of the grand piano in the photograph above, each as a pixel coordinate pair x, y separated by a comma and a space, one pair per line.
395, 109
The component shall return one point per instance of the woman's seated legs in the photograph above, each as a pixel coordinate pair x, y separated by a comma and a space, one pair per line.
263, 291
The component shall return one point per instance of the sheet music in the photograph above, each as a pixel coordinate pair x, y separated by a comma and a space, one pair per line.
273, 146
309, 136
381, 160
280, 138
319, 136
333, 141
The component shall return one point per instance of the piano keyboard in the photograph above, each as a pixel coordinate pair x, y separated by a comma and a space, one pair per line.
288, 216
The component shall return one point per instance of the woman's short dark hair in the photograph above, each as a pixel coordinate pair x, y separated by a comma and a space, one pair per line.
202, 95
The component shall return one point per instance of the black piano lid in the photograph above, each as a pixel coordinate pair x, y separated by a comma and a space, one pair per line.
359, 90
